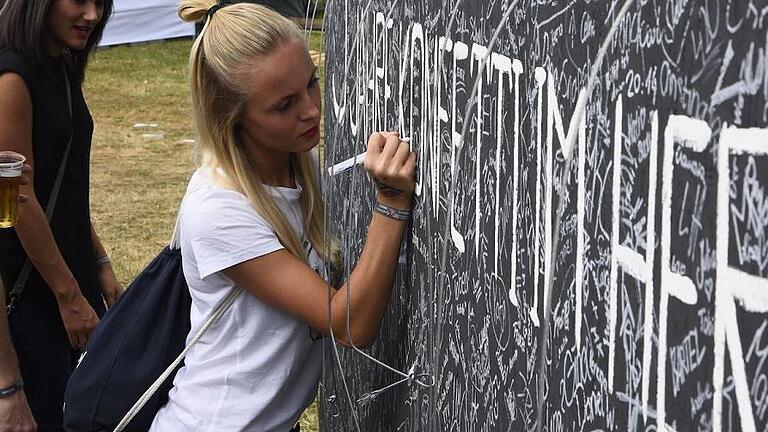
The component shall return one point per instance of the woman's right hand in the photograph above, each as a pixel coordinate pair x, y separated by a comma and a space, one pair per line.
79, 319
392, 165
15, 414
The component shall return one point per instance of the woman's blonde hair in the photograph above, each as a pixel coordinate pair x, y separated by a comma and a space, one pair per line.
232, 40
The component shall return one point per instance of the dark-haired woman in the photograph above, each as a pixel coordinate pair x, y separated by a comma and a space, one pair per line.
44, 48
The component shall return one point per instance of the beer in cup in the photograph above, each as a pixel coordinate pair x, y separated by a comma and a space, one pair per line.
10, 178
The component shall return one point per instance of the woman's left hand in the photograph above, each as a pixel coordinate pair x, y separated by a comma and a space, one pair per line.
110, 287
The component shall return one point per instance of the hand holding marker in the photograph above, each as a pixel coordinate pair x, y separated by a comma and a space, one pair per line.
352, 162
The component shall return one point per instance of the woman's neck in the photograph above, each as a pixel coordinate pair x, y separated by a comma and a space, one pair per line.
53, 48
275, 169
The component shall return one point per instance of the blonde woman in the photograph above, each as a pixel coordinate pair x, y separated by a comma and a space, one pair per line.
253, 216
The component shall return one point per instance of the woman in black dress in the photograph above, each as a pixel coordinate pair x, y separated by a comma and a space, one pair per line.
44, 48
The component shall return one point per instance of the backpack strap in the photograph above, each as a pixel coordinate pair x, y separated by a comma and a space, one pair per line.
221, 308
175, 237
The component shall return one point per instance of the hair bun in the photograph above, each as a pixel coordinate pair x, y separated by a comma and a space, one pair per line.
194, 10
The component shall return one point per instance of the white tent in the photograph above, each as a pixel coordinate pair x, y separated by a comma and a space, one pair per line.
144, 20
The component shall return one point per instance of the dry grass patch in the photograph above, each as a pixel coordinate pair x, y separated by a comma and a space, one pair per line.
137, 181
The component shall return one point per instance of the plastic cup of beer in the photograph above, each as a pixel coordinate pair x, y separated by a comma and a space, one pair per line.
10, 178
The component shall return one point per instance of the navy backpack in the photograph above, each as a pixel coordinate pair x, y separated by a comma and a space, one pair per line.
127, 369
143, 333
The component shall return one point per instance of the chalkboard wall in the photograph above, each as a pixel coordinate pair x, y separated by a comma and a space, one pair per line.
593, 262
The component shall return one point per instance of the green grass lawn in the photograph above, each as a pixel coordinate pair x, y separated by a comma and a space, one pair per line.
138, 175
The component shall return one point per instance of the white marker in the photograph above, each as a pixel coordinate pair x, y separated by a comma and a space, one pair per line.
352, 162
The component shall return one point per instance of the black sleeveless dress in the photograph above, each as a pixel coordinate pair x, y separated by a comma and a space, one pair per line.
45, 357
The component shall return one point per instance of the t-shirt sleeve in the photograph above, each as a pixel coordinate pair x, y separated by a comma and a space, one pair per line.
11, 61
224, 230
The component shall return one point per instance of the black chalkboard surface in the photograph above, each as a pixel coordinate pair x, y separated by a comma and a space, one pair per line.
589, 246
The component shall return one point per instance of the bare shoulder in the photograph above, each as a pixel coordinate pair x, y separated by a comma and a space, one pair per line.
15, 115
14, 91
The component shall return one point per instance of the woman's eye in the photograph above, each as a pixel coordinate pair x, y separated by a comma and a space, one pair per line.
313, 81
284, 106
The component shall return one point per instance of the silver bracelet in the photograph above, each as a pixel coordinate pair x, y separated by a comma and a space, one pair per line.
100, 261
391, 212
12, 389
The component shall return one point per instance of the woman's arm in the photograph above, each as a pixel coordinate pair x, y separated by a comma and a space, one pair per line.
14, 410
33, 230
285, 282
110, 287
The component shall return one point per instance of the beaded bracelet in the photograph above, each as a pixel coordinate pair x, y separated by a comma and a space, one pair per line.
12, 389
391, 212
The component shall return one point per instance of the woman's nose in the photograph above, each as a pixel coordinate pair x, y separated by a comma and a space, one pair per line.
311, 110
91, 12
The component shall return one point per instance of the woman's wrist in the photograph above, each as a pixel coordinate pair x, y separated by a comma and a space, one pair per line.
66, 290
12, 374
12, 388
102, 261
59, 278
400, 202
392, 212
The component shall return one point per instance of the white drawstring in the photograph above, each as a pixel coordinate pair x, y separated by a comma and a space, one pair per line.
217, 313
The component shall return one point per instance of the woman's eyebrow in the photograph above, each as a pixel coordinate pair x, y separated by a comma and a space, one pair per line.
290, 95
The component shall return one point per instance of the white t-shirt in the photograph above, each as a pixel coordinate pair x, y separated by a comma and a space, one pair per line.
257, 368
